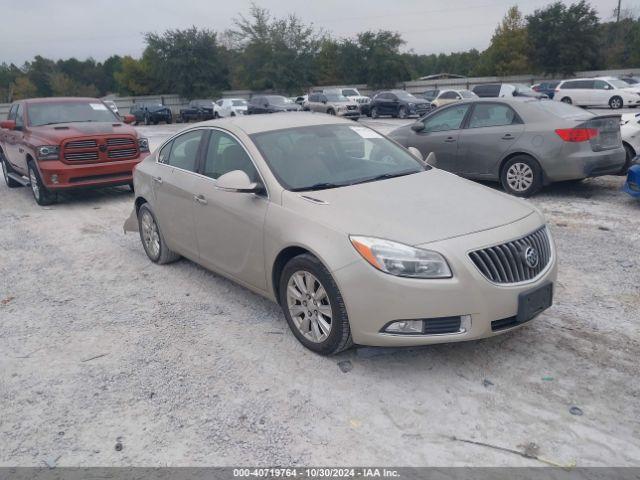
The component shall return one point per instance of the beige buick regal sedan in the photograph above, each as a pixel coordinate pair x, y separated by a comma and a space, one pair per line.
357, 239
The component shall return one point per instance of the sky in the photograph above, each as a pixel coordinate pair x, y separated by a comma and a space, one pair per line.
101, 28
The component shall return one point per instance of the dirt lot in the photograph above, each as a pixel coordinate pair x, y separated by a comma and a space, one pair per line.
182, 367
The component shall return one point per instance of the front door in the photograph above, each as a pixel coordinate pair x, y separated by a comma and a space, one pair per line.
492, 130
14, 145
230, 225
440, 136
174, 184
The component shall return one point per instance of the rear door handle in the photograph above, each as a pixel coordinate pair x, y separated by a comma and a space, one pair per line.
200, 199
449, 139
158, 180
508, 136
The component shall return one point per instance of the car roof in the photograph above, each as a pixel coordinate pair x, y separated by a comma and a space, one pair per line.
251, 124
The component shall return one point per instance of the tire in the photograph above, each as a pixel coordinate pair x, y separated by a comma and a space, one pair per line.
169, 122
156, 122
6, 170
131, 187
338, 337
216, 115
630, 156
616, 103
233, 114
567, 100
402, 113
42, 196
521, 176
331, 111
374, 112
157, 252
147, 120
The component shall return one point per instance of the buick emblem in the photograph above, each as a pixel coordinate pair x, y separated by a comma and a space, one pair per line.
531, 257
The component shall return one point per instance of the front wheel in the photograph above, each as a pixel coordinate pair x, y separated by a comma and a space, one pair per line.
313, 306
616, 103
6, 169
216, 115
402, 113
152, 240
521, 176
567, 100
147, 120
40, 192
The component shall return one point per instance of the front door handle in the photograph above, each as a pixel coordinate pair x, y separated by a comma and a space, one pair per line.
508, 136
158, 180
200, 199
449, 139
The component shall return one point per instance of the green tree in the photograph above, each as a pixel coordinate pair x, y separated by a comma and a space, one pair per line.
564, 39
508, 52
39, 72
381, 55
133, 78
23, 88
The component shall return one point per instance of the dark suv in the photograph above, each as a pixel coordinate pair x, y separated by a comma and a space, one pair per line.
271, 104
149, 113
398, 104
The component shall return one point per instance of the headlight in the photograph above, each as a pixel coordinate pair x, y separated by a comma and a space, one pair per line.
143, 144
401, 260
48, 152
411, 105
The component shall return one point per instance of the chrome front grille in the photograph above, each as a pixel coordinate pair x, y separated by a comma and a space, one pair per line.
80, 156
81, 144
507, 263
123, 153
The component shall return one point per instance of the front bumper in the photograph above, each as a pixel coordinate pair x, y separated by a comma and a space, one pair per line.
373, 298
348, 113
632, 185
57, 175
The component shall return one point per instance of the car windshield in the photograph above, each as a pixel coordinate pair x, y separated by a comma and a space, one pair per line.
618, 83
336, 97
239, 103
404, 95
350, 92
467, 94
278, 100
66, 112
330, 156
630, 80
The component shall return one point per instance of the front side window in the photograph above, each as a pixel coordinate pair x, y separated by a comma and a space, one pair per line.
12, 112
49, 113
492, 115
330, 156
20, 116
449, 119
184, 151
224, 155
602, 85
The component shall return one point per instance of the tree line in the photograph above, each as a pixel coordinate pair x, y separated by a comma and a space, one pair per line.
286, 55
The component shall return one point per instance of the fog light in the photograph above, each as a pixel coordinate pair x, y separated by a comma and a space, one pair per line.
54, 178
465, 323
405, 326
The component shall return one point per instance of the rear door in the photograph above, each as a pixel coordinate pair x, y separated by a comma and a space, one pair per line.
174, 188
584, 92
491, 131
440, 135
230, 225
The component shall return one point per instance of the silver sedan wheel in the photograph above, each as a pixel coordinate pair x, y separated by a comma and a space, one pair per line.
520, 177
33, 179
309, 306
150, 235
4, 171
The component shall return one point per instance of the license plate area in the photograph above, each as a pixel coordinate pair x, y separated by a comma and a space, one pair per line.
534, 302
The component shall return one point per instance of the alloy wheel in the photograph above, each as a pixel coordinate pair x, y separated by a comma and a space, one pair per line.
33, 179
309, 306
616, 103
520, 177
150, 235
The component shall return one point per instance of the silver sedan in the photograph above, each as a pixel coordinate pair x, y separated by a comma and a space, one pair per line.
358, 239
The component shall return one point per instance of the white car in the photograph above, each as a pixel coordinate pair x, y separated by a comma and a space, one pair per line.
354, 95
630, 131
450, 96
231, 107
597, 92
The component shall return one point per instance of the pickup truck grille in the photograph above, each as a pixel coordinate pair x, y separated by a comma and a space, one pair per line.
91, 150
507, 263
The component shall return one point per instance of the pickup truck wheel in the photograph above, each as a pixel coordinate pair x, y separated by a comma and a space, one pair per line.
41, 195
152, 240
6, 169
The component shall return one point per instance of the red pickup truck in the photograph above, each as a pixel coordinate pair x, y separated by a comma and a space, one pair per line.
55, 144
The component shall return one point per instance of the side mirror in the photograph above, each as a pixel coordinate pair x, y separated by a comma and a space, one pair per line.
128, 119
238, 181
417, 127
432, 160
416, 153
8, 124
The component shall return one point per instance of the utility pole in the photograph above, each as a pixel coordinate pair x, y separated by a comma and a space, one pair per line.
619, 7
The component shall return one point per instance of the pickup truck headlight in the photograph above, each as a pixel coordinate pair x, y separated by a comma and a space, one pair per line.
48, 152
143, 144
401, 260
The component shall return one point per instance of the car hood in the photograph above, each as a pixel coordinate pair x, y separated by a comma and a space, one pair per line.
61, 131
415, 209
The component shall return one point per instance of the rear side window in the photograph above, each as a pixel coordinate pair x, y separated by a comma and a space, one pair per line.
224, 155
492, 115
449, 95
184, 151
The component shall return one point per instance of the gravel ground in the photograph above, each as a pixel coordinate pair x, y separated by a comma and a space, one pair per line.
179, 366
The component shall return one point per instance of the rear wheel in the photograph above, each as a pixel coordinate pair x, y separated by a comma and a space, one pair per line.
216, 115
313, 306
374, 112
616, 103
521, 176
40, 192
6, 169
152, 240
331, 111
147, 120
402, 113
567, 100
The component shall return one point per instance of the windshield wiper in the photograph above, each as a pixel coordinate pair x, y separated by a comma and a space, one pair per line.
384, 176
319, 186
